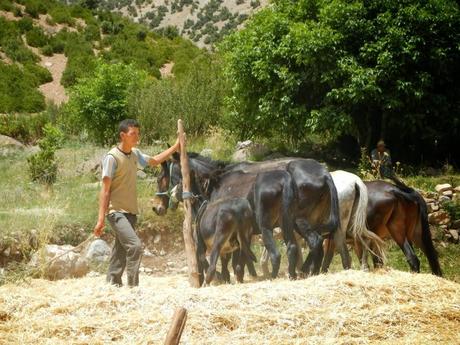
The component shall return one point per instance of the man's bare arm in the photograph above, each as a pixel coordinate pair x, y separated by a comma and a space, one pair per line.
161, 157
104, 197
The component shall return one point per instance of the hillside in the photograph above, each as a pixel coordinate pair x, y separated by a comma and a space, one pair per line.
203, 21
46, 47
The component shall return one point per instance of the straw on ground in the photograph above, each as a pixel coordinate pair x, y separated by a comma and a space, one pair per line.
349, 307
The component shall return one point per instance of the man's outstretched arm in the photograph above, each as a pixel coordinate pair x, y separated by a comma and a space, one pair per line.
161, 157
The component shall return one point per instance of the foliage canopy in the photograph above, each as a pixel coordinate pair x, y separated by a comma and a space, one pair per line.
369, 69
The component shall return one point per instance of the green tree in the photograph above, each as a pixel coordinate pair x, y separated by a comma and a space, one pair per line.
100, 102
365, 68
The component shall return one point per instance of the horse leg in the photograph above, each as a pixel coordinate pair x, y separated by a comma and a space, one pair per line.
238, 265
220, 237
299, 262
224, 259
362, 253
329, 248
292, 251
412, 259
340, 242
273, 252
314, 259
264, 262
251, 268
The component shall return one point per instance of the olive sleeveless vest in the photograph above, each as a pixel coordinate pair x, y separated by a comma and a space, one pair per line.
123, 189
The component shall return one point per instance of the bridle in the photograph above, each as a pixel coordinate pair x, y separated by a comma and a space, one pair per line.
168, 192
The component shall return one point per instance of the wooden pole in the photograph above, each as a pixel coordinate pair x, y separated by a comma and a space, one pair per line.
190, 246
177, 327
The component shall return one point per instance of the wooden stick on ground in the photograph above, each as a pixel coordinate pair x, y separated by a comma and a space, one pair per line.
190, 246
177, 327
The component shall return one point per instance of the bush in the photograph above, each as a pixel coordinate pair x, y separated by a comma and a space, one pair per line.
36, 74
43, 165
25, 128
195, 96
47, 50
25, 24
35, 7
17, 90
36, 37
61, 15
100, 102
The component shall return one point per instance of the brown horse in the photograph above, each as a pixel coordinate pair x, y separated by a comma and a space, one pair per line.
400, 213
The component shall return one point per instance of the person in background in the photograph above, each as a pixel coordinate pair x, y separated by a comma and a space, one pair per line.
118, 200
381, 161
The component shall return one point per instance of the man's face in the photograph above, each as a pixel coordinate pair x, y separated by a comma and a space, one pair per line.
381, 148
131, 137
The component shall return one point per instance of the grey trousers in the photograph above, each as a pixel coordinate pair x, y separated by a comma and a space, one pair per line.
127, 249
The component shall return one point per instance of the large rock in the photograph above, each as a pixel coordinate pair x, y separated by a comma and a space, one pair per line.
440, 188
98, 251
68, 264
454, 235
440, 217
432, 207
457, 189
448, 193
10, 143
245, 150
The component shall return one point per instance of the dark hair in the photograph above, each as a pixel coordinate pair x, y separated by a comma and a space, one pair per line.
126, 123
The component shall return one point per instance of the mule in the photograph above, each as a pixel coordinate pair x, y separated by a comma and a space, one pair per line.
399, 212
224, 227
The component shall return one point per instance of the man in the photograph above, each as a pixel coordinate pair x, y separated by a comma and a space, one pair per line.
381, 161
118, 200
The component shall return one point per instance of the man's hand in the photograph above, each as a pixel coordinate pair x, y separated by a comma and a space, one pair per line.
177, 145
99, 228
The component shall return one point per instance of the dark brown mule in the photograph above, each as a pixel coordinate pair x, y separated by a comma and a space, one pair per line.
400, 213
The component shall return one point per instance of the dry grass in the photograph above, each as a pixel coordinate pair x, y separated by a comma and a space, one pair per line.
343, 308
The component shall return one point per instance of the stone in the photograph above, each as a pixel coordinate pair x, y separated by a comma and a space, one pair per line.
443, 198
448, 193
11, 143
432, 207
443, 187
457, 189
456, 197
454, 234
98, 251
157, 238
429, 200
440, 217
69, 264
245, 150
207, 152
142, 175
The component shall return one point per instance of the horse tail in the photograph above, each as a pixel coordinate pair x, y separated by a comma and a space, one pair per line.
359, 227
201, 245
287, 201
334, 215
412, 195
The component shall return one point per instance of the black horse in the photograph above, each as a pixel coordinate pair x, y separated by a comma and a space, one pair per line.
224, 227
316, 202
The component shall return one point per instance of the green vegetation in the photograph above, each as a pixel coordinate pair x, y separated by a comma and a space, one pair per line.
42, 165
365, 69
100, 102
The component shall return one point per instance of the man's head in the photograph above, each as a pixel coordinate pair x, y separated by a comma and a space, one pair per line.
381, 146
128, 130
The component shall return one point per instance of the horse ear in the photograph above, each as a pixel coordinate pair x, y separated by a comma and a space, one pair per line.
176, 156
